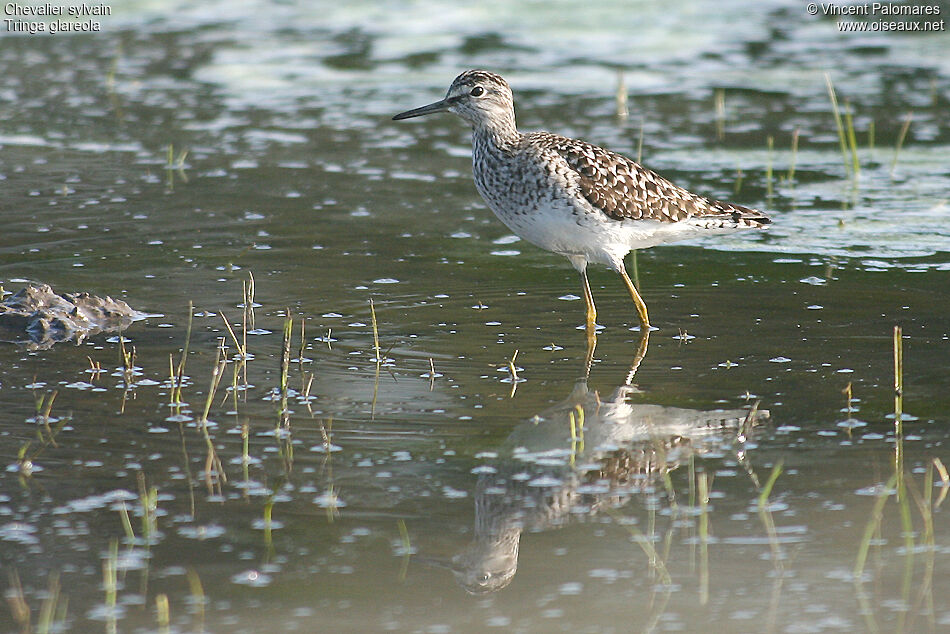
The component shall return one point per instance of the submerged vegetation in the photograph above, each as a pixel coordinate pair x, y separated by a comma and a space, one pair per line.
180, 391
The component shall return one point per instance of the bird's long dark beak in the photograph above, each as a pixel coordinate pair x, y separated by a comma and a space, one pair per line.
436, 562
438, 106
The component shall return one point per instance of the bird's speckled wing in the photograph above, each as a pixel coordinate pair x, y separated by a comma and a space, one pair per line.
623, 189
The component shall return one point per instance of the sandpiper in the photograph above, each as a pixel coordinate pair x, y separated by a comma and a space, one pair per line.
574, 198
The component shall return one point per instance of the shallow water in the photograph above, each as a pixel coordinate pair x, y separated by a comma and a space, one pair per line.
349, 504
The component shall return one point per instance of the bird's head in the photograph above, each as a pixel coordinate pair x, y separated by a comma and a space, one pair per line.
478, 96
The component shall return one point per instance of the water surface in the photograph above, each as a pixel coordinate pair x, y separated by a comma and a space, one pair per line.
187, 148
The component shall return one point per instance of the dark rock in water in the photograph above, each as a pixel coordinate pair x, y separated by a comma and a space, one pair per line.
38, 316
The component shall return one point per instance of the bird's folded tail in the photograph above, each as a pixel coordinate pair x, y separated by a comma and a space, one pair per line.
731, 216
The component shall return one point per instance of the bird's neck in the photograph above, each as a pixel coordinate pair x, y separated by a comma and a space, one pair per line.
500, 134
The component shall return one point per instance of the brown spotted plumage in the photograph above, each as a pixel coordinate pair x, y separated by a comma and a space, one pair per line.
573, 198
622, 188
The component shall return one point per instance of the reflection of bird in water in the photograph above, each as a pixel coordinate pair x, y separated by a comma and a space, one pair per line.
576, 458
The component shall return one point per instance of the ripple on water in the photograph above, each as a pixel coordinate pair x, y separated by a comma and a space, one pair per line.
111, 499
253, 578
19, 532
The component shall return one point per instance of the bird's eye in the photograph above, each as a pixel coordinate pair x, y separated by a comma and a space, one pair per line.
477, 91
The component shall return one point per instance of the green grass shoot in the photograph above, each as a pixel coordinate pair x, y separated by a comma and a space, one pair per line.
372, 310
873, 525
852, 140
285, 366
702, 484
767, 488
794, 157
838, 123
720, 99
898, 379
901, 137
406, 548
162, 612
198, 599
126, 522
52, 615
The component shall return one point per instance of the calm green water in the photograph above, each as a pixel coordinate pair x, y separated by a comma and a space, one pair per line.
352, 503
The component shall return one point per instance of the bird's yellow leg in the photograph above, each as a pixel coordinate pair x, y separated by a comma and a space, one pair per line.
591, 322
637, 300
589, 302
